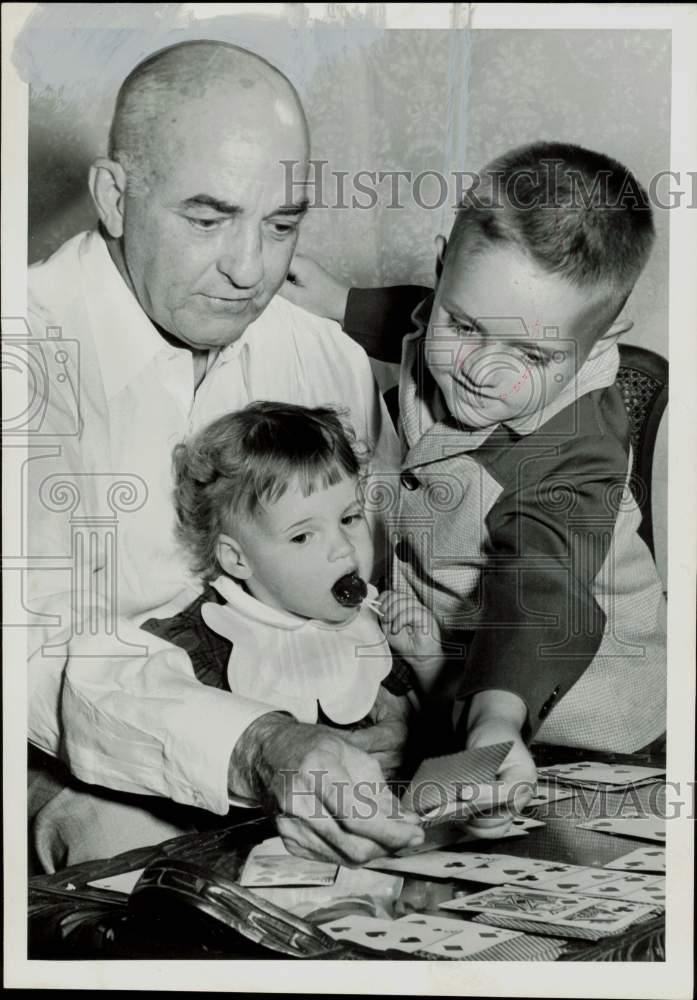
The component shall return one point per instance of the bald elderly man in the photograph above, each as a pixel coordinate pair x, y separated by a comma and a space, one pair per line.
173, 302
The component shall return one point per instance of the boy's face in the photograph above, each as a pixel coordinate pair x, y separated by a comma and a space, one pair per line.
297, 548
486, 345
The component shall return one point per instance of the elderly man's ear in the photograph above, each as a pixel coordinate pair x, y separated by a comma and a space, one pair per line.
107, 183
231, 558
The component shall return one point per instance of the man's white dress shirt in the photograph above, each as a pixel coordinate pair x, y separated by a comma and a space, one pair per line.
143, 723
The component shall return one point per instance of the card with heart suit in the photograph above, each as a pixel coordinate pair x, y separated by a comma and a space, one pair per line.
566, 878
644, 859
597, 773
642, 828
499, 869
439, 781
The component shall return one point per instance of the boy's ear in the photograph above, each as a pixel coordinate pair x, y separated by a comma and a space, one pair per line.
232, 559
441, 246
107, 183
611, 336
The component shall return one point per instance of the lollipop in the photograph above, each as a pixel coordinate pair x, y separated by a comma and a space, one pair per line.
349, 590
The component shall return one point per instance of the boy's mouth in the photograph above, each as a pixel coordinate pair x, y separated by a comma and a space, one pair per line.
349, 590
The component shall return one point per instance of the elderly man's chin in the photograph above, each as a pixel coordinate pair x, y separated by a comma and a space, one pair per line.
212, 322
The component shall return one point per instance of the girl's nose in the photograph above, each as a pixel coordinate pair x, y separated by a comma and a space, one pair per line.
341, 546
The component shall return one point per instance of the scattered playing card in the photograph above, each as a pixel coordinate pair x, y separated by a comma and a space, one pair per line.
471, 939
627, 886
440, 781
123, 882
598, 773
655, 894
644, 859
550, 793
383, 935
499, 869
643, 828
574, 879
275, 869
534, 904
434, 864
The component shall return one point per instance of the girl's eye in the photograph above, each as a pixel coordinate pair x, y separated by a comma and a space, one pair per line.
352, 518
301, 538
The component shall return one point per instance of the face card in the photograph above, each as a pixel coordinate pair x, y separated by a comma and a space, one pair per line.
644, 859
275, 869
529, 903
617, 775
643, 828
440, 781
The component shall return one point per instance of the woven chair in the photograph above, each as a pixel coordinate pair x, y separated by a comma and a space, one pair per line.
643, 380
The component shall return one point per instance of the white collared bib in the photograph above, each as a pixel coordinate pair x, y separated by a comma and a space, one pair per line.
295, 663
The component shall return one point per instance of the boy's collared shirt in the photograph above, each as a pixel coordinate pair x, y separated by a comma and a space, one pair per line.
524, 542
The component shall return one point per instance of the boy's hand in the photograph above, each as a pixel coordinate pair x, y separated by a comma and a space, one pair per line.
498, 717
308, 285
413, 632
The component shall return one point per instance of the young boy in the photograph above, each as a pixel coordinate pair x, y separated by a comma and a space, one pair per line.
515, 524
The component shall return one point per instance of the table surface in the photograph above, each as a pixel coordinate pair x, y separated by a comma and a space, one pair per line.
59, 903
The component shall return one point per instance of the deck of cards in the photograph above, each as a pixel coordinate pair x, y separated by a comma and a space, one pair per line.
595, 774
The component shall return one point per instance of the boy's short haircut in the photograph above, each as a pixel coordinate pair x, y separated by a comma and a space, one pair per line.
248, 458
576, 213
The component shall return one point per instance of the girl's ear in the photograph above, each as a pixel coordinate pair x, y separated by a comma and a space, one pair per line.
441, 245
232, 559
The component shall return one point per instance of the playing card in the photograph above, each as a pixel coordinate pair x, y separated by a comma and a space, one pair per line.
123, 882
643, 828
440, 781
626, 886
571, 880
519, 948
499, 869
644, 859
368, 931
598, 773
533, 904
434, 864
550, 793
275, 869
470, 939
654, 894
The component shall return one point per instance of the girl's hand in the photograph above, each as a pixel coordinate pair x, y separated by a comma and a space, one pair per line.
412, 631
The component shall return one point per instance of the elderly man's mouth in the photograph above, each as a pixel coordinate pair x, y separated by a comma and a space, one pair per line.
230, 306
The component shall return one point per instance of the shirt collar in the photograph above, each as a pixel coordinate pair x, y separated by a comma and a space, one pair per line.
127, 340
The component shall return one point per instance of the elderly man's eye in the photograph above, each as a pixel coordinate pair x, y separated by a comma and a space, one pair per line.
282, 229
203, 224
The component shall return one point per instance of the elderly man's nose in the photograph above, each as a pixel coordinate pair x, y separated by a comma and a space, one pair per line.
242, 259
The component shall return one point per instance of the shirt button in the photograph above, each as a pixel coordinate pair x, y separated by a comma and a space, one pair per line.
547, 707
409, 481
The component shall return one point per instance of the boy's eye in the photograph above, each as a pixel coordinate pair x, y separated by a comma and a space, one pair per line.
302, 538
536, 359
462, 328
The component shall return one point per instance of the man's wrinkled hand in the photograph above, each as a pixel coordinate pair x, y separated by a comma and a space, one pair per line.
386, 738
332, 795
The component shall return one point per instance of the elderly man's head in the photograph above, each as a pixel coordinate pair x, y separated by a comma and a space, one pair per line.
194, 193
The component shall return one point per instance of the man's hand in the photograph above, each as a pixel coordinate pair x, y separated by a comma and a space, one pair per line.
498, 717
332, 796
413, 632
385, 740
310, 286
